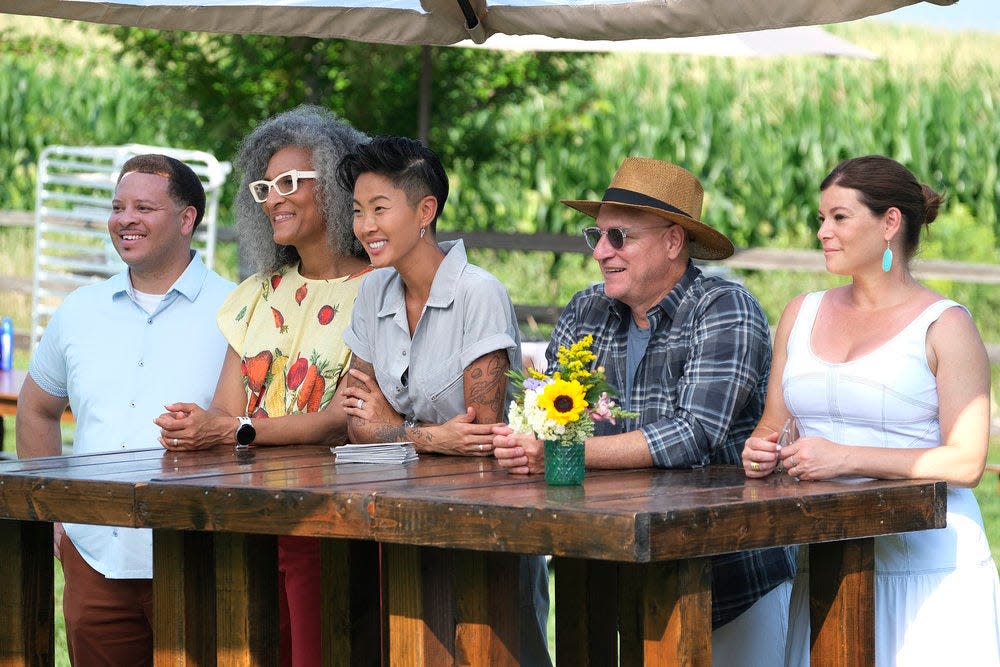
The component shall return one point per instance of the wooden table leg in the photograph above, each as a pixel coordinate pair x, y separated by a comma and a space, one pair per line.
246, 576
665, 613
451, 607
488, 610
27, 607
351, 603
183, 598
419, 606
586, 607
220, 610
842, 602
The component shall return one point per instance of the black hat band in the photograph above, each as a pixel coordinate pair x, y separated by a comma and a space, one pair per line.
622, 196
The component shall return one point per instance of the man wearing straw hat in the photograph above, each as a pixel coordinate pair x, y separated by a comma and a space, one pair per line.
691, 354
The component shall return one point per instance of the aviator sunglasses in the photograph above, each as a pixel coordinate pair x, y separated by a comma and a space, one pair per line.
616, 236
285, 184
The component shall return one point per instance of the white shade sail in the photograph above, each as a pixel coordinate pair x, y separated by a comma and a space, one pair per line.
801, 40
450, 21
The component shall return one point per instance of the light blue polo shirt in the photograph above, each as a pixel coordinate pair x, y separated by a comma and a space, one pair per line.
119, 366
468, 314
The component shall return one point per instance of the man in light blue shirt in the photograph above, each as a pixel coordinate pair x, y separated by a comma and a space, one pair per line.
117, 352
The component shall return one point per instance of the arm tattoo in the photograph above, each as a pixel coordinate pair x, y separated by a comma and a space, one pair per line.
488, 385
388, 432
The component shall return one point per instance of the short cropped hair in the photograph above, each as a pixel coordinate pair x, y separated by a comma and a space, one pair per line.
408, 164
184, 187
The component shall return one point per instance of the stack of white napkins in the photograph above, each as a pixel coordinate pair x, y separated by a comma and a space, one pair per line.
377, 452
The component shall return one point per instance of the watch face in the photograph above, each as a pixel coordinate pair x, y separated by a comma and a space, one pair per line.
245, 434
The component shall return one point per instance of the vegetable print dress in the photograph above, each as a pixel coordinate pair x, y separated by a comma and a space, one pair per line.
288, 331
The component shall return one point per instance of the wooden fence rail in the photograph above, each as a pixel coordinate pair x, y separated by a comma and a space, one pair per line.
810, 261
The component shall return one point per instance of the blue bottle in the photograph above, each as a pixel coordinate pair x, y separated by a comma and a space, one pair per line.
6, 344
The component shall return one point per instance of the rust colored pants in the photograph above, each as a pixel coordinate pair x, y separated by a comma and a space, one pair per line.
109, 622
299, 598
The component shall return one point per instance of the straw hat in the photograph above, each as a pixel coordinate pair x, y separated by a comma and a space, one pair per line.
666, 190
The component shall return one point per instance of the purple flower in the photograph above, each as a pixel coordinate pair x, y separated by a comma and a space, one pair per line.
533, 385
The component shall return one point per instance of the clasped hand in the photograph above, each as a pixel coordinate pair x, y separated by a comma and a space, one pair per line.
807, 458
188, 426
519, 453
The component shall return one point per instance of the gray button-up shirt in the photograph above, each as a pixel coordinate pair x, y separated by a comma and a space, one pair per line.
468, 314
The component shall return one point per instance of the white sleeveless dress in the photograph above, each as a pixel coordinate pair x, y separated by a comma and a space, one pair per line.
937, 594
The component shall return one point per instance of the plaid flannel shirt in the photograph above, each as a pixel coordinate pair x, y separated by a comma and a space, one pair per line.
699, 391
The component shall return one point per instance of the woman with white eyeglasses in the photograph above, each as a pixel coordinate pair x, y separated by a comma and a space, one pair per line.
285, 328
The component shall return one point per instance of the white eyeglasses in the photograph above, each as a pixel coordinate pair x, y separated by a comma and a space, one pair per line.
285, 184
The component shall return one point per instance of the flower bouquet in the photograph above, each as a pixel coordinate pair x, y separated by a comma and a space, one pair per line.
561, 408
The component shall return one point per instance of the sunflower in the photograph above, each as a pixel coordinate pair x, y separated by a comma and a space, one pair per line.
563, 401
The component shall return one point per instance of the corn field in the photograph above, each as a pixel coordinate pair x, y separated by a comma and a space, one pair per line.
760, 133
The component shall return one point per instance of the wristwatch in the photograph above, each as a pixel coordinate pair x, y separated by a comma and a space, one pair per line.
245, 432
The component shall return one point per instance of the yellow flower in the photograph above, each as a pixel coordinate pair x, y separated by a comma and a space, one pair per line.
563, 401
532, 373
575, 361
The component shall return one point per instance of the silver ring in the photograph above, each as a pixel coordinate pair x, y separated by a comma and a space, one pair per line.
361, 404
175, 442
482, 448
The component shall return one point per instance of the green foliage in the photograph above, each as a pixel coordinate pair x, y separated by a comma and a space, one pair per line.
518, 133
760, 134
374, 86
957, 233
55, 93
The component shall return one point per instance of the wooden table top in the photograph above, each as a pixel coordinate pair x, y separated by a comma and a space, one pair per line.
626, 516
10, 387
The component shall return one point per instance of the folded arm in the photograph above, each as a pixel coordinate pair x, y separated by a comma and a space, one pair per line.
467, 434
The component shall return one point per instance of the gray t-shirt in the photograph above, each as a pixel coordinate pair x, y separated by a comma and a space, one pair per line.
468, 314
638, 341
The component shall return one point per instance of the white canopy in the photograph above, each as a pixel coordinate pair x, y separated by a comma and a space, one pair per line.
801, 40
450, 21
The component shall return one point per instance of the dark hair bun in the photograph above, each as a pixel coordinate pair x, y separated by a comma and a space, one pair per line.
932, 202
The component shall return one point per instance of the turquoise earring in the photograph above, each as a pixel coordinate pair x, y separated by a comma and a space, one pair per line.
887, 258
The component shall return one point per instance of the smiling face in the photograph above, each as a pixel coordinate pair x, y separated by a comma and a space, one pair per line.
295, 218
853, 237
150, 231
649, 264
384, 220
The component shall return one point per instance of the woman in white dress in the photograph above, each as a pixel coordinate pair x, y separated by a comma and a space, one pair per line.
887, 379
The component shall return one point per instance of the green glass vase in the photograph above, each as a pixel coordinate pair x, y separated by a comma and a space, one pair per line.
563, 463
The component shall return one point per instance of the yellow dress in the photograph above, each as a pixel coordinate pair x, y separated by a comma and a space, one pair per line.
288, 331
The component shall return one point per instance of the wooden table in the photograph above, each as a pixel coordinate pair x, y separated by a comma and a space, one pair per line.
10, 388
631, 553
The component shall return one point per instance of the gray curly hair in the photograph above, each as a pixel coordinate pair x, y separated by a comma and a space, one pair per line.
328, 139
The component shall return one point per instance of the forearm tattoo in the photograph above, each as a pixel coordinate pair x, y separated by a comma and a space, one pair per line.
388, 432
